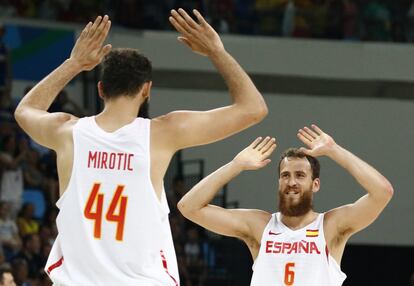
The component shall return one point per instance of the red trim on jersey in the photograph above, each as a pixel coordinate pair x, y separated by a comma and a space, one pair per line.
55, 265
164, 264
327, 253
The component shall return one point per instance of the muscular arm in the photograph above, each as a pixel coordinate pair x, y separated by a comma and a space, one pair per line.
31, 113
351, 218
236, 223
247, 108
355, 217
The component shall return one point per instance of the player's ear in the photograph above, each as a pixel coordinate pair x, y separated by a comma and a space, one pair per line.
146, 89
100, 90
316, 185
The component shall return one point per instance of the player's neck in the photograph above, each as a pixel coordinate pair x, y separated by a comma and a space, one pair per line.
298, 222
118, 112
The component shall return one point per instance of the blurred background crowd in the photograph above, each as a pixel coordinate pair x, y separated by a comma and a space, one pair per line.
370, 20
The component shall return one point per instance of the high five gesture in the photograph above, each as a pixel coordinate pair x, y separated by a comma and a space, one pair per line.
199, 37
318, 142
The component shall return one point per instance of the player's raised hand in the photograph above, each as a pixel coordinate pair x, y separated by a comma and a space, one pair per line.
89, 49
256, 155
198, 35
319, 143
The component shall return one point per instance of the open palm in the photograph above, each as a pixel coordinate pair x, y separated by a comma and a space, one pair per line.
89, 48
198, 36
318, 142
255, 156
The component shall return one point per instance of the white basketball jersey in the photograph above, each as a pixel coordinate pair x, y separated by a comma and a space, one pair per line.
295, 257
113, 230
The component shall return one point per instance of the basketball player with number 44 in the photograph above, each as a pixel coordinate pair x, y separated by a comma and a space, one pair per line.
113, 221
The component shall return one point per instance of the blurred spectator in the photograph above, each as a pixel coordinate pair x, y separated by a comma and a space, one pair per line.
6, 277
351, 15
288, 21
194, 259
31, 254
377, 21
220, 15
64, 103
50, 220
25, 222
177, 191
129, 13
46, 235
335, 20
268, 14
44, 280
5, 63
34, 178
20, 272
410, 23
7, 9
11, 159
9, 235
3, 261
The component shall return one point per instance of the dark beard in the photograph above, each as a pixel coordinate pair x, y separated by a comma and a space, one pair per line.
298, 209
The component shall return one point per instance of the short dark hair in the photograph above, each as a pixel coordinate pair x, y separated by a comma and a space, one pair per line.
297, 153
124, 72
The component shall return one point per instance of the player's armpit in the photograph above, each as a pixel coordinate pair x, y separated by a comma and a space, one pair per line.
47, 129
191, 128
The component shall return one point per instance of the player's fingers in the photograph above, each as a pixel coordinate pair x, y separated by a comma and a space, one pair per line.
188, 18
105, 50
263, 143
317, 129
85, 30
94, 26
306, 135
200, 18
310, 132
256, 142
185, 41
178, 27
268, 145
270, 150
177, 16
304, 139
104, 32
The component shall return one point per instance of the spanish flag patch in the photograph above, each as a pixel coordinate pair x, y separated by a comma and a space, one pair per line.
312, 232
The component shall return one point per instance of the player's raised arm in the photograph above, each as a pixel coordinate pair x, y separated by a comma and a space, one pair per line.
31, 113
248, 106
353, 217
236, 222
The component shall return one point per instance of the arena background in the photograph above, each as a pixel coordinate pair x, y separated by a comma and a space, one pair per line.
359, 92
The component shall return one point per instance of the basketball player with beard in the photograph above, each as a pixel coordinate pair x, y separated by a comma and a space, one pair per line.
296, 246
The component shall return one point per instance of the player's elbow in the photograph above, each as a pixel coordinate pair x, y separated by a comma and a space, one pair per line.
19, 114
186, 210
260, 111
388, 189
256, 114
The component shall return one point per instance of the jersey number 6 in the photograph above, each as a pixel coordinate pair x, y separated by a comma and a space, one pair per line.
98, 199
289, 274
